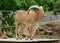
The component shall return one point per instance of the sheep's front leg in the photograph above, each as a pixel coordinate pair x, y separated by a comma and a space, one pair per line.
19, 32
30, 29
31, 33
33, 29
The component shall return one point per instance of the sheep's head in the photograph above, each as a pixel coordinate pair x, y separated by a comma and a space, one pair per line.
39, 10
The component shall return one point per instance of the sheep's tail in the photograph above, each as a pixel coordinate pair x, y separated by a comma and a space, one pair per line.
32, 7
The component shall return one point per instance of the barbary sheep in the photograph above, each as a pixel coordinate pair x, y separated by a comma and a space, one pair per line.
28, 20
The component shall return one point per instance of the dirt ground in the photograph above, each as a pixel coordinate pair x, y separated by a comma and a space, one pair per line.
48, 31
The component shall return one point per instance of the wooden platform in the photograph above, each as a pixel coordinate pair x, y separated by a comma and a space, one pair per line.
13, 40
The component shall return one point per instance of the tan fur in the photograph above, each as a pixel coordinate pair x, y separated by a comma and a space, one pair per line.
27, 22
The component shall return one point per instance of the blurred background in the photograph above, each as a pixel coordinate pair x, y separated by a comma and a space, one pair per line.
47, 29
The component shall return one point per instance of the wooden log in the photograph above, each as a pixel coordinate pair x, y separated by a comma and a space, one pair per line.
12, 40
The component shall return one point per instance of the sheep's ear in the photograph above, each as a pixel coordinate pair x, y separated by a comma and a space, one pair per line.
41, 7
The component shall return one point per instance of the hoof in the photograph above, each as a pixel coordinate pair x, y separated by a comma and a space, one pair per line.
26, 38
31, 38
17, 38
20, 38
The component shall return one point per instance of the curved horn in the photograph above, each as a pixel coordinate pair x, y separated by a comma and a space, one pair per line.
34, 6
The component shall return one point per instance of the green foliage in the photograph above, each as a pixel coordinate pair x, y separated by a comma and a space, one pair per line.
49, 5
25, 4
58, 5
8, 21
8, 5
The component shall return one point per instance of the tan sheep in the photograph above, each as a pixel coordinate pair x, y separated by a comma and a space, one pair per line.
28, 20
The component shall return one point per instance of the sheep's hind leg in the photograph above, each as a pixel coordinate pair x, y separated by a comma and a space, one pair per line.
20, 32
17, 31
